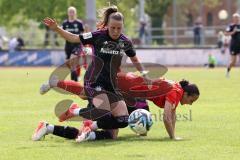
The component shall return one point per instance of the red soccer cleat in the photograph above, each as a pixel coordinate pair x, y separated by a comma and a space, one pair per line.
86, 123
40, 131
69, 113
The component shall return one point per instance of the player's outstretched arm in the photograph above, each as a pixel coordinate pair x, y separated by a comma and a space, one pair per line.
52, 24
141, 69
168, 120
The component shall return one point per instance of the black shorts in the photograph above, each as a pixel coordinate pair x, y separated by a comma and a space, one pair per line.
139, 104
92, 90
69, 50
235, 49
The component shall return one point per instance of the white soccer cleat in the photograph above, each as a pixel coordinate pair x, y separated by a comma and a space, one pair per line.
85, 135
40, 131
44, 88
47, 86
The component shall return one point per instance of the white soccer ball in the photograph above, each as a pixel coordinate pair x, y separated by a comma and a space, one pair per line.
140, 121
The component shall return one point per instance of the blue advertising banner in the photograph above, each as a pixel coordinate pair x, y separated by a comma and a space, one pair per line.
32, 58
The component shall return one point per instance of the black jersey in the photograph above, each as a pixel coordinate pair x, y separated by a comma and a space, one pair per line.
235, 38
75, 27
107, 57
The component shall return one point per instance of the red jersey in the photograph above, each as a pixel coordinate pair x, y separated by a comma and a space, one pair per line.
135, 86
173, 96
164, 89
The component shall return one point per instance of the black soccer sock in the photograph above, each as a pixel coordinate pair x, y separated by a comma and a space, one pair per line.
66, 132
103, 135
74, 76
111, 122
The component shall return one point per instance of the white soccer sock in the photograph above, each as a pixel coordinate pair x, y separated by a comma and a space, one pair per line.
94, 126
50, 128
76, 111
53, 81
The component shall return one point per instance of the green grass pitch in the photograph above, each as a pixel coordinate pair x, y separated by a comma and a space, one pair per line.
210, 128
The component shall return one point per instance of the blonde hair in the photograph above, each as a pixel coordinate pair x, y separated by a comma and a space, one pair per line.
236, 15
72, 8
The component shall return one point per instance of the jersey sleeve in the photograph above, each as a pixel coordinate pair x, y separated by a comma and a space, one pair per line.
172, 98
64, 24
87, 38
130, 51
81, 28
229, 28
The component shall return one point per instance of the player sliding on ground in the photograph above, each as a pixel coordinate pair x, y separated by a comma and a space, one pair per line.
44, 128
182, 92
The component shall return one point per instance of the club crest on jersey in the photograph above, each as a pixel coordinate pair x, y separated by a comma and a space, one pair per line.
98, 88
87, 35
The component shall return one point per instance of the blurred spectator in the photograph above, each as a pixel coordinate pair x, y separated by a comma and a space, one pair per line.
15, 43
197, 32
21, 43
1, 43
226, 42
223, 41
212, 61
220, 41
142, 31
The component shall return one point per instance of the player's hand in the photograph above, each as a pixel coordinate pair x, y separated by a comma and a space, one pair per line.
51, 23
147, 80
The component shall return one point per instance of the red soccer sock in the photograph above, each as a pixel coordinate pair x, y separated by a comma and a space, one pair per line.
78, 70
71, 86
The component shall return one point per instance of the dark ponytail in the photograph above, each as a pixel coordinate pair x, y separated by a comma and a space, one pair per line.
106, 14
190, 89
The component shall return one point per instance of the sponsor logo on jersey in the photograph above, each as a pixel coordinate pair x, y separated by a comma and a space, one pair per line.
113, 52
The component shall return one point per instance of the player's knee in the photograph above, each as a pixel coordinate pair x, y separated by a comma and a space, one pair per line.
110, 122
122, 121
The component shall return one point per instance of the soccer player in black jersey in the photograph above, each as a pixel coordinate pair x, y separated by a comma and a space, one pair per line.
233, 30
109, 46
75, 26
